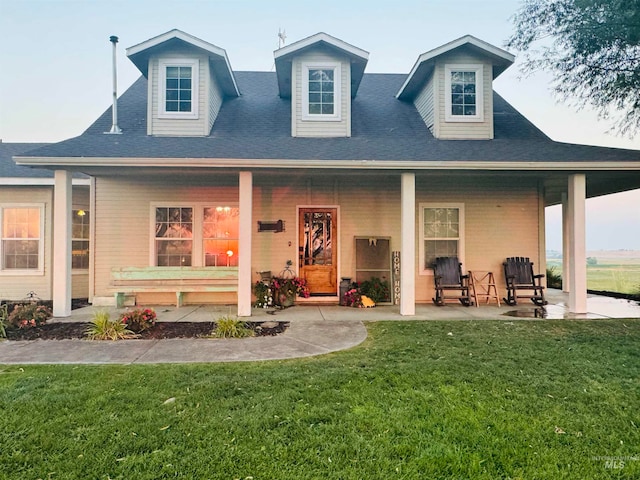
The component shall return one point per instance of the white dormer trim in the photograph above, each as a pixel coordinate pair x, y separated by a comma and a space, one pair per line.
423, 67
337, 89
139, 54
321, 37
478, 69
163, 64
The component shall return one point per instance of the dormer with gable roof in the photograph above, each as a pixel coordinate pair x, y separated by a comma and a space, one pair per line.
188, 80
321, 75
452, 88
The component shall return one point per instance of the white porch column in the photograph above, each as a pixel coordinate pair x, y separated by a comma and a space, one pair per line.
566, 283
577, 243
61, 277
408, 244
244, 244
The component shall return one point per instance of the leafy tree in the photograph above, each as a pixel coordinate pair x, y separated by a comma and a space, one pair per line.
592, 47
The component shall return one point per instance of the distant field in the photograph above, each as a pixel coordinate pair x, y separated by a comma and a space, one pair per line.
611, 273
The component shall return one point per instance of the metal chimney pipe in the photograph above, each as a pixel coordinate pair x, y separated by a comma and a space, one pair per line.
114, 127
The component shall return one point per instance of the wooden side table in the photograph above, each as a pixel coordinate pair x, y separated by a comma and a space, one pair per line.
483, 284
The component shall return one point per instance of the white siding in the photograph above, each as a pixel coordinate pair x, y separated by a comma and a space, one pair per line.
306, 128
425, 104
215, 100
464, 130
16, 286
180, 126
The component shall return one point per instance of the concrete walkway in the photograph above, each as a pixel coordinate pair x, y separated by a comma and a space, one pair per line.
313, 330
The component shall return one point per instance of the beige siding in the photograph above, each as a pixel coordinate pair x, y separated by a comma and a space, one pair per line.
310, 128
180, 126
464, 130
124, 219
501, 220
15, 286
425, 104
356, 199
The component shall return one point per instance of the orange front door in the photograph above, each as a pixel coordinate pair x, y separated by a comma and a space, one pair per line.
318, 249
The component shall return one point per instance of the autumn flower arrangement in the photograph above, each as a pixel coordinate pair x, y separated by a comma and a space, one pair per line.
281, 290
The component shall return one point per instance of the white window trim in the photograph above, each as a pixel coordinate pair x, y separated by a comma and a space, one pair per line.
27, 271
337, 91
197, 238
479, 70
461, 235
162, 90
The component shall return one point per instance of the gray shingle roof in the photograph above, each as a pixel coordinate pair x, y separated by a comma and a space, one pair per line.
9, 169
257, 125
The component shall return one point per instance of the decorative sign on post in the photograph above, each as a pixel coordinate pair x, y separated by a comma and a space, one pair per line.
395, 273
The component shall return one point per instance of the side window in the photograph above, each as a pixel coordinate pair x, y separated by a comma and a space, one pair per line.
174, 236
80, 240
22, 241
463, 93
178, 89
220, 236
442, 233
321, 89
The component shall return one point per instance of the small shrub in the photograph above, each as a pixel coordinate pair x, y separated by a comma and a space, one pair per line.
103, 328
29, 315
227, 327
376, 289
554, 279
139, 319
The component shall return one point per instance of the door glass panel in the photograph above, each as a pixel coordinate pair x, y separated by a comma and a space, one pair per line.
317, 238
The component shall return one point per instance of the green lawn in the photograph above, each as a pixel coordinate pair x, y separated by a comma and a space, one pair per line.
611, 275
460, 399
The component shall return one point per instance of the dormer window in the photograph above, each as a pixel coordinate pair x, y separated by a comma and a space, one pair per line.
463, 93
321, 91
179, 92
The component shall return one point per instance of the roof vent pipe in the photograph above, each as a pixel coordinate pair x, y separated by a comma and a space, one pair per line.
114, 128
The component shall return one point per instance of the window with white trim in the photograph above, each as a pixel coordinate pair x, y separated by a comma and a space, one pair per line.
22, 242
80, 240
178, 89
196, 235
442, 233
463, 93
321, 91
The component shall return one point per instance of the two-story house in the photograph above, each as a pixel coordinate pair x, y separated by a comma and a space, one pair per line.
345, 173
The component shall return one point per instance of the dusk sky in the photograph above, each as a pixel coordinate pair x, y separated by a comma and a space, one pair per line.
56, 66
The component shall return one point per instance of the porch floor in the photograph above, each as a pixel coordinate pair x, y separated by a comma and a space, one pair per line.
598, 307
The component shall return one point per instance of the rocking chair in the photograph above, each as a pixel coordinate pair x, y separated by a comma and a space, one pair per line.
518, 272
447, 274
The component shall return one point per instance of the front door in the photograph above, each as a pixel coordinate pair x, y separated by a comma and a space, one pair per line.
318, 249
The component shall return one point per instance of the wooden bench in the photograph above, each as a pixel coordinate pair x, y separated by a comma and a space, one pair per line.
172, 279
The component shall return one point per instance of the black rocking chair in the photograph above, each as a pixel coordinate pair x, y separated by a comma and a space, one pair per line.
522, 282
447, 274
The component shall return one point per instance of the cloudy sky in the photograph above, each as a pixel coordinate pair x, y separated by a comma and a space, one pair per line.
56, 66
